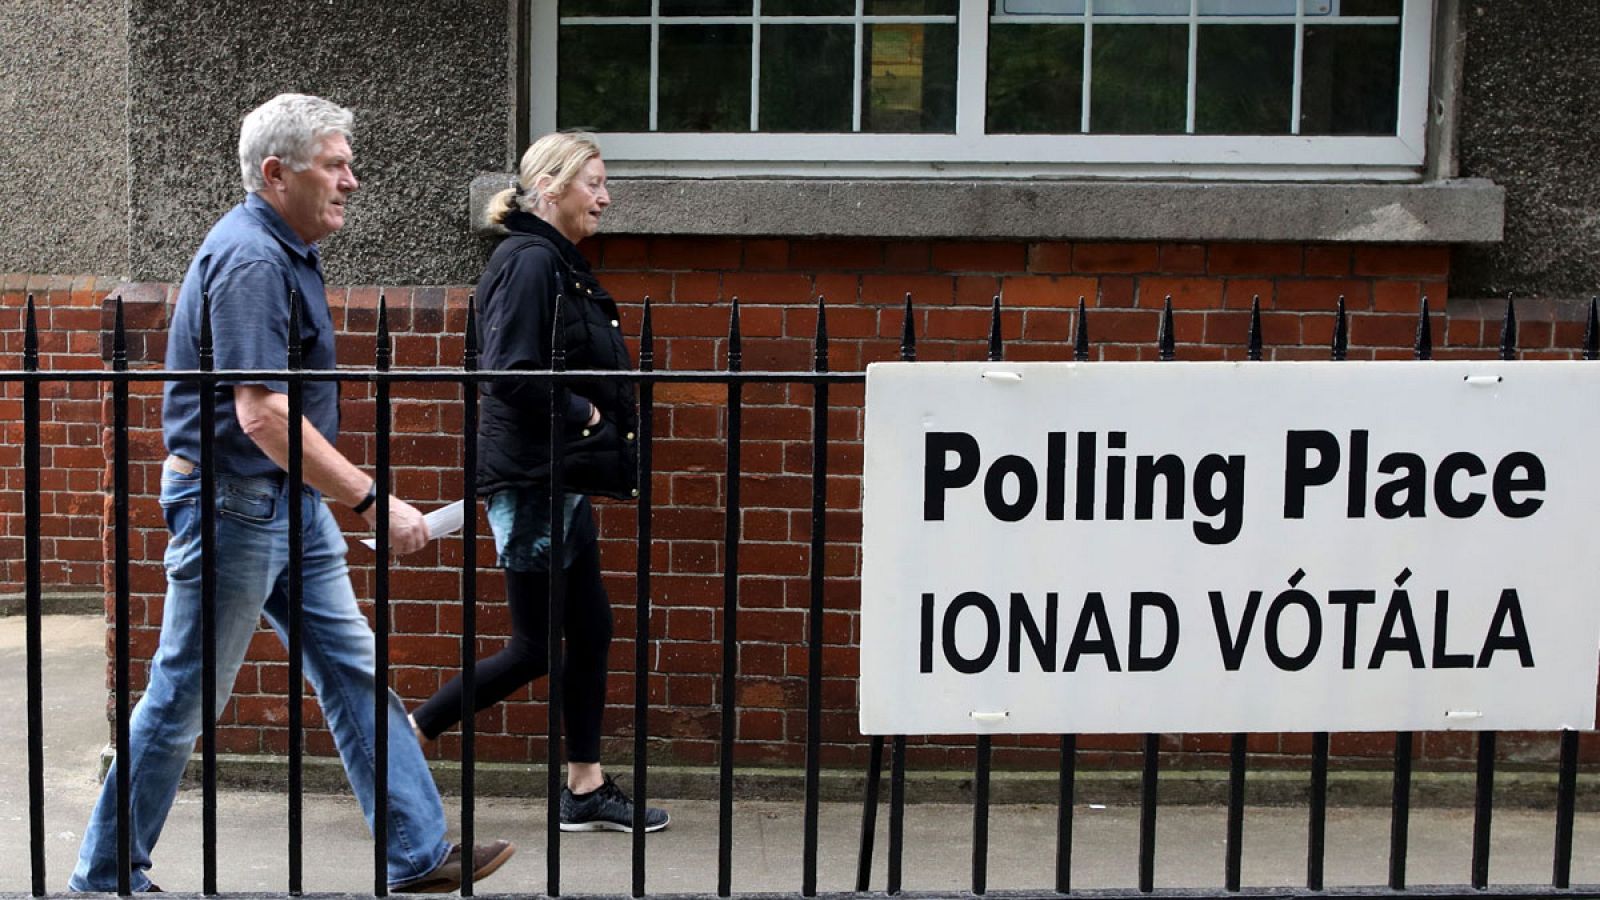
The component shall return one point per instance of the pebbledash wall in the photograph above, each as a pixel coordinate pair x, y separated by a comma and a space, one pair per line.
692, 282
115, 200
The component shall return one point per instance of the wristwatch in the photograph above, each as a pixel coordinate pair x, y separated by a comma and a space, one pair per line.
368, 500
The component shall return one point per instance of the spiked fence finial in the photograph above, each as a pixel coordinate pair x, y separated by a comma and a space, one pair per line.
821, 356
1508, 334
30, 341
1341, 332
469, 355
996, 349
1254, 342
1166, 344
735, 342
119, 338
908, 334
1424, 347
647, 340
297, 350
1591, 331
558, 346
385, 344
207, 359
1080, 334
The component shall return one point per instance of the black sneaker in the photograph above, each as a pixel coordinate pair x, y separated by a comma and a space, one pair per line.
605, 808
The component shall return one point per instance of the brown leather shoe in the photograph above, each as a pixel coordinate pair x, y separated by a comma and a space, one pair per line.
446, 876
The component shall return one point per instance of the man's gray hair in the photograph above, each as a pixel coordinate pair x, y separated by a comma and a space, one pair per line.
290, 127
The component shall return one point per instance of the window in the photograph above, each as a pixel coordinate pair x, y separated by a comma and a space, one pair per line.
1204, 88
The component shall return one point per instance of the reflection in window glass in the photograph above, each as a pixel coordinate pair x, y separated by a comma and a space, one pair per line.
1351, 82
704, 78
1035, 79
1244, 79
911, 7
604, 78
806, 76
706, 7
910, 78
808, 7
1139, 83
605, 7
1263, 7
1141, 7
1370, 8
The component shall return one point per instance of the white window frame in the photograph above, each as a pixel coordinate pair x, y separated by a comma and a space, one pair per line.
971, 153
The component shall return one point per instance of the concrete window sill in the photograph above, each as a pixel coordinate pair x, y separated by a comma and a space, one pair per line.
1466, 210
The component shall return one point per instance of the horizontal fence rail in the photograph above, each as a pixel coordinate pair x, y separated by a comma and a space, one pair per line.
647, 378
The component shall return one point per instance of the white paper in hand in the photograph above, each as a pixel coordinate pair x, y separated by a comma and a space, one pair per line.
442, 521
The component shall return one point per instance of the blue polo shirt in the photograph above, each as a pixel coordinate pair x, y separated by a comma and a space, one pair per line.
248, 264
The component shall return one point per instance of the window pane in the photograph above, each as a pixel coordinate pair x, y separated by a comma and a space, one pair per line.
1139, 83
1035, 79
604, 82
1244, 79
706, 7
910, 83
704, 78
605, 7
911, 7
1141, 8
1370, 8
808, 8
1263, 7
1352, 80
806, 75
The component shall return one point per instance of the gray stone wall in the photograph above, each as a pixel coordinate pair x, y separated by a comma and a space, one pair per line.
63, 102
428, 82
1529, 117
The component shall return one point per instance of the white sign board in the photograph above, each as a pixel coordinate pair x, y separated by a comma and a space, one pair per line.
1219, 547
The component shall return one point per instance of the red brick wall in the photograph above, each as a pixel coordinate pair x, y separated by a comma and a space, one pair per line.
71, 461
691, 282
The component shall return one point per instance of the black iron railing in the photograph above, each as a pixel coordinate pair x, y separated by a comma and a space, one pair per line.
646, 377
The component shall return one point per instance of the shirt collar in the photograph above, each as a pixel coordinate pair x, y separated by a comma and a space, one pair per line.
278, 228
528, 223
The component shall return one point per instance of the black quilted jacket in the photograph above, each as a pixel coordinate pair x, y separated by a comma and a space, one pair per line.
515, 311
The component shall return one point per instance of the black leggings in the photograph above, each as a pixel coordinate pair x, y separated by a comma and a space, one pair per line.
527, 656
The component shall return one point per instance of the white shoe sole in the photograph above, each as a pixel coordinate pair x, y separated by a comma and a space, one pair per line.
611, 826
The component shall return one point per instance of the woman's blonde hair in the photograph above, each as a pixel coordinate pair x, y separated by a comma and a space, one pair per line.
557, 157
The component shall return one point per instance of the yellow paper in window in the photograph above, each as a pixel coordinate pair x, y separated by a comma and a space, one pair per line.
896, 72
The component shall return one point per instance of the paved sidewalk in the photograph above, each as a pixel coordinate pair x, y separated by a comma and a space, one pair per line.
767, 835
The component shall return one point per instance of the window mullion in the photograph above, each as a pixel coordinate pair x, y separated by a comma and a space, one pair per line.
858, 75
543, 68
755, 66
1088, 62
655, 65
972, 55
1299, 65
1193, 66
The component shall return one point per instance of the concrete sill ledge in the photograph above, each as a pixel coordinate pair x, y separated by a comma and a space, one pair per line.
1264, 787
1468, 210
56, 603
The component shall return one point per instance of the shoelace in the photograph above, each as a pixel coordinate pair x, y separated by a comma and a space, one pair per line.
611, 790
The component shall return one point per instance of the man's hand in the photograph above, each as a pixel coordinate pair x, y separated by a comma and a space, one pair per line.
408, 532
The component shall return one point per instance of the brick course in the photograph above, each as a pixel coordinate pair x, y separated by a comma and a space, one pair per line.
692, 283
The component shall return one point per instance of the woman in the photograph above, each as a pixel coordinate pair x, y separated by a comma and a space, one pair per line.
556, 201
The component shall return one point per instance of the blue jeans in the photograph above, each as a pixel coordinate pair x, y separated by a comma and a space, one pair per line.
252, 540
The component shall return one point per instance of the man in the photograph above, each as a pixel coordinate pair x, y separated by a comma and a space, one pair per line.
294, 156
